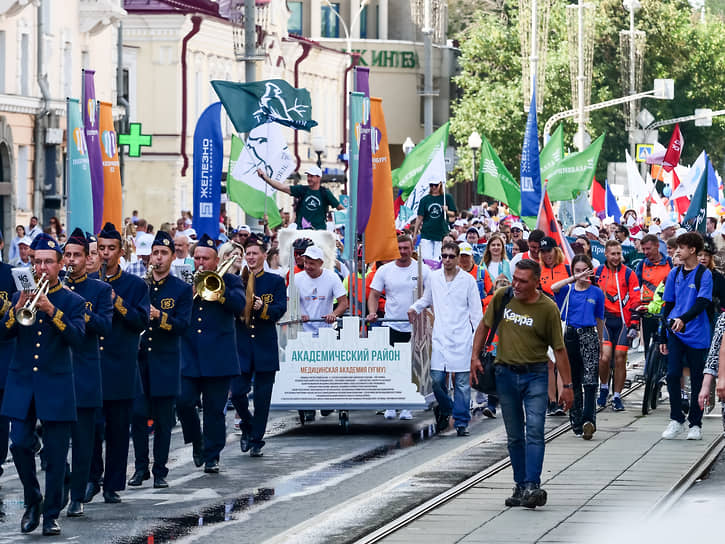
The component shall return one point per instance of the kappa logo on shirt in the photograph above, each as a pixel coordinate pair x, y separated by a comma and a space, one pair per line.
525, 320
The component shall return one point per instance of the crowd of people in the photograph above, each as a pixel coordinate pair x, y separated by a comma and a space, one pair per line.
202, 311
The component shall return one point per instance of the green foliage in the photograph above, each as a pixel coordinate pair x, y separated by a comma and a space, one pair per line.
679, 47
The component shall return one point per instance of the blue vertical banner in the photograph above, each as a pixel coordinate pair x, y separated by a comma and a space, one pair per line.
530, 171
208, 161
79, 190
355, 115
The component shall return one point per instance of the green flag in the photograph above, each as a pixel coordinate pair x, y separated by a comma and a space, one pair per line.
496, 181
553, 152
695, 218
252, 104
421, 165
574, 173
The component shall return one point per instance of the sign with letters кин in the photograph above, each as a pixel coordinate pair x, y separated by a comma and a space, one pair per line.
349, 373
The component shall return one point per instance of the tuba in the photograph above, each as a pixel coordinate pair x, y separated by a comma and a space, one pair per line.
209, 284
27, 314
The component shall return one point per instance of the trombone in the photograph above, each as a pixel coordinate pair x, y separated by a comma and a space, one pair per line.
209, 284
27, 314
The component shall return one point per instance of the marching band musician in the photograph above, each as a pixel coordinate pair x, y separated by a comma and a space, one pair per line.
40, 385
86, 363
257, 347
209, 361
159, 363
7, 349
119, 354
93, 261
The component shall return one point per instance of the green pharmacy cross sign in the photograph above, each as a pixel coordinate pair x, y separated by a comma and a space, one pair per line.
134, 140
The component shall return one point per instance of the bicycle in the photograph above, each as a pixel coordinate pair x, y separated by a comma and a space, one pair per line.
654, 376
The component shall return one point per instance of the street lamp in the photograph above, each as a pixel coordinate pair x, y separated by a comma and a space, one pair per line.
632, 6
474, 143
318, 146
408, 146
348, 38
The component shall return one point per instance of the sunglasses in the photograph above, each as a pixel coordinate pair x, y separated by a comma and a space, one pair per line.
448, 256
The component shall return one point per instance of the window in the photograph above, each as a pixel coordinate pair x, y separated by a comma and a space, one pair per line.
364, 23
294, 25
21, 188
330, 27
2, 61
25, 65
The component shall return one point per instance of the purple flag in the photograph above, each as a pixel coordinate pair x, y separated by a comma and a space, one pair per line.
365, 165
93, 144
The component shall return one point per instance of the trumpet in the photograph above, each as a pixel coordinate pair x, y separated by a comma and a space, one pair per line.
27, 314
209, 284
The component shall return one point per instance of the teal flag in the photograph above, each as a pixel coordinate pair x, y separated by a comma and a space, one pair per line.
80, 193
252, 104
355, 116
422, 164
574, 173
696, 217
496, 181
553, 152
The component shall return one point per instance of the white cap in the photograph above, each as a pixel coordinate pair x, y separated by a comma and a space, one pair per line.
244, 228
517, 225
314, 252
143, 244
680, 231
314, 170
591, 229
594, 220
466, 249
655, 229
25, 240
667, 224
609, 220
578, 231
460, 223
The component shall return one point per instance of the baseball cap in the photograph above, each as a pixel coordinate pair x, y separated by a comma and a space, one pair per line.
654, 229
143, 246
591, 229
313, 171
680, 231
578, 231
667, 223
517, 225
547, 243
314, 252
466, 249
25, 240
244, 228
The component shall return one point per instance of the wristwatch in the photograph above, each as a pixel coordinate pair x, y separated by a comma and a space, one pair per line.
568, 386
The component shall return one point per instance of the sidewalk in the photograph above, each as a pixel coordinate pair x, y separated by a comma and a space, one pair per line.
594, 487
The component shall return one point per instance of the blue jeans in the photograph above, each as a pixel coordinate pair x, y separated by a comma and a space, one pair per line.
681, 355
460, 406
519, 394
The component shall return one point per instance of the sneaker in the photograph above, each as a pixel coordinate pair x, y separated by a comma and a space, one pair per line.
406, 415
551, 409
559, 410
673, 429
588, 430
602, 399
489, 411
617, 404
515, 498
462, 431
695, 433
533, 496
389, 414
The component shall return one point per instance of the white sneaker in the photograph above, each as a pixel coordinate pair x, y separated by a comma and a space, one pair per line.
673, 429
405, 414
389, 414
695, 433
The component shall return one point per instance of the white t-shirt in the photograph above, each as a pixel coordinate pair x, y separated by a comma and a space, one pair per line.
399, 285
495, 268
317, 296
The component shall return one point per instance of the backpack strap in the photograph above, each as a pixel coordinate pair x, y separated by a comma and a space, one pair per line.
507, 296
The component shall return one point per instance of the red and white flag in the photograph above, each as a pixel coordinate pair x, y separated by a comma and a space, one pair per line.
547, 222
674, 150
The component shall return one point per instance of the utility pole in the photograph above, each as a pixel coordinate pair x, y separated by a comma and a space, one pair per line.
250, 42
580, 77
428, 70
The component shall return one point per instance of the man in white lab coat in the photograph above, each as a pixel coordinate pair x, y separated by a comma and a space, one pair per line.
453, 293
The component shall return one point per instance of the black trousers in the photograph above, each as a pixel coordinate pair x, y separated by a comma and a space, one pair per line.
117, 414
82, 435
213, 392
398, 336
99, 435
254, 424
4, 434
56, 437
161, 410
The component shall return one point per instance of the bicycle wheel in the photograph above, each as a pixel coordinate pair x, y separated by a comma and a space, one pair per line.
660, 372
648, 379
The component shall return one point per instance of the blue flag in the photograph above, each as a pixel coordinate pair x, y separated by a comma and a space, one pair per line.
612, 206
208, 161
530, 172
696, 216
713, 185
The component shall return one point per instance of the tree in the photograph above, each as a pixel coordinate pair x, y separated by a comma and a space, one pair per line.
678, 47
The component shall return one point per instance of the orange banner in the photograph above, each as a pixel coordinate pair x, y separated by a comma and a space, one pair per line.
112, 193
381, 240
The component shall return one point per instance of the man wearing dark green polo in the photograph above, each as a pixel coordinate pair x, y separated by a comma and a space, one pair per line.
434, 210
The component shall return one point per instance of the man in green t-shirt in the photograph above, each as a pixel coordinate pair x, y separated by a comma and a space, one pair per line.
530, 324
432, 222
313, 200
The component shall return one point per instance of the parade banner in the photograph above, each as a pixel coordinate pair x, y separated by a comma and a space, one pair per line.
365, 159
93, 145
696, 217
423, 164
346, 373
208, 159
354, 119
112, 191
381, 240
530, 173
265, 149
553, 152
496, 181
80, 192
574, 174
674, 150
249, 105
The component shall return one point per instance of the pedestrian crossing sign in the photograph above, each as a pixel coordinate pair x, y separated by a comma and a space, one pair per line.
642, 151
